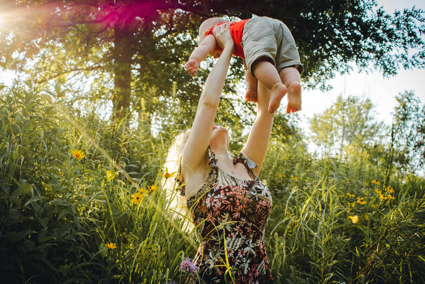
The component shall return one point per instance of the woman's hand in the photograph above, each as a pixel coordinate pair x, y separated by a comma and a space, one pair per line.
223, 36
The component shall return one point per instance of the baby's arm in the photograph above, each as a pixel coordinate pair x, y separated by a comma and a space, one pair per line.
199, 54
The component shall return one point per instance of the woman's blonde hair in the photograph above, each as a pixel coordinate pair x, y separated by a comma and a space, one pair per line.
176, 202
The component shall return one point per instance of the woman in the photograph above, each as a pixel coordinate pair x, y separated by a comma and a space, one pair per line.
228, 203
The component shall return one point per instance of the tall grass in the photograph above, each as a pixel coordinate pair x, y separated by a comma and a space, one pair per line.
312, 238
70, 220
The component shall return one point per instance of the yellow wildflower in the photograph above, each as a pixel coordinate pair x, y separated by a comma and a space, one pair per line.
390, 196
294, 178
136, 198
167, 174
110, 175
354, 219
366, 217
282, 176
111, 245
383, 197
374, 205
152, 188
360, 200
350, 195
378, 191
78, 154
141, 191
390, 189
376, 181
351, 204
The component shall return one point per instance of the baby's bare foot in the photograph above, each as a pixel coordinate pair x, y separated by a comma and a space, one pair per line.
294, 98
251, 96
278, 92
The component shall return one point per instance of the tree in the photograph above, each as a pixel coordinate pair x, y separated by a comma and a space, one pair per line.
134, 49
348, 122
408, 134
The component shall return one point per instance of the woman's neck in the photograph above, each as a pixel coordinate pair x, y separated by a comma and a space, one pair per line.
222, 155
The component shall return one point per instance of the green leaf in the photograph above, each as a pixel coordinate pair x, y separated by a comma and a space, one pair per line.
60, 202
64, 268
46, 239
25, 112
59, 92
37, 209
16, 193
63, 213
77, 222
26, 188
48, 98
103, 250
42, 234
14, 214
34, 199
17, 236
43, 221
5, 187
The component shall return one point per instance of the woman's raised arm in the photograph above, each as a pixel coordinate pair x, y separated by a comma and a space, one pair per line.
259, 136
195, 152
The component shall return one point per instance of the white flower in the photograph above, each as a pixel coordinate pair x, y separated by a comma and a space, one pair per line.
220, 198
210, 200
249, 247
210, 262
245, 265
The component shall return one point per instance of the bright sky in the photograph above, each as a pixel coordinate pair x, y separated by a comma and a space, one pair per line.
381, 91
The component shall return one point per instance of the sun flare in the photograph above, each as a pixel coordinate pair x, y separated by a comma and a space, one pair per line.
3, 21
6, 19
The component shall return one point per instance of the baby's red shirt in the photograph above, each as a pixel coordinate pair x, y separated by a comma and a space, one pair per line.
236, 30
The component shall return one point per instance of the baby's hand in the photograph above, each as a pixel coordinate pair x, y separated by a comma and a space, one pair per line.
192, 66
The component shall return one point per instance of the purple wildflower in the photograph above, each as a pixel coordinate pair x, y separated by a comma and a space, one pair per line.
188, 266
174, 282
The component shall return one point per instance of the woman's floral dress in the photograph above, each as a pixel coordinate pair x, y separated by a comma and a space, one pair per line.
230, 216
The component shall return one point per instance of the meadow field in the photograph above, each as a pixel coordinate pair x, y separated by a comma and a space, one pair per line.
93, 92
82, 200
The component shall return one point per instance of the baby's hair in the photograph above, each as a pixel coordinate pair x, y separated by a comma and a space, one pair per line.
207, 25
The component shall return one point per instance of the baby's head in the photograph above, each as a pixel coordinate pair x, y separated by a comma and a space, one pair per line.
207, 25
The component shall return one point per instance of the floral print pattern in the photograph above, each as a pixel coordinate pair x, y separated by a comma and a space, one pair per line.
230, 216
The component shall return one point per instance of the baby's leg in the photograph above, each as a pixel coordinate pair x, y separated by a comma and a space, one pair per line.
267, 74
251, 93
291, 78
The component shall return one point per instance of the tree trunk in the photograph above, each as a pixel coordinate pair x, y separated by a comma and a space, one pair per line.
122, 72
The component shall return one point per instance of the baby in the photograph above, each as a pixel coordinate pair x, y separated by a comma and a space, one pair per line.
269, 54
